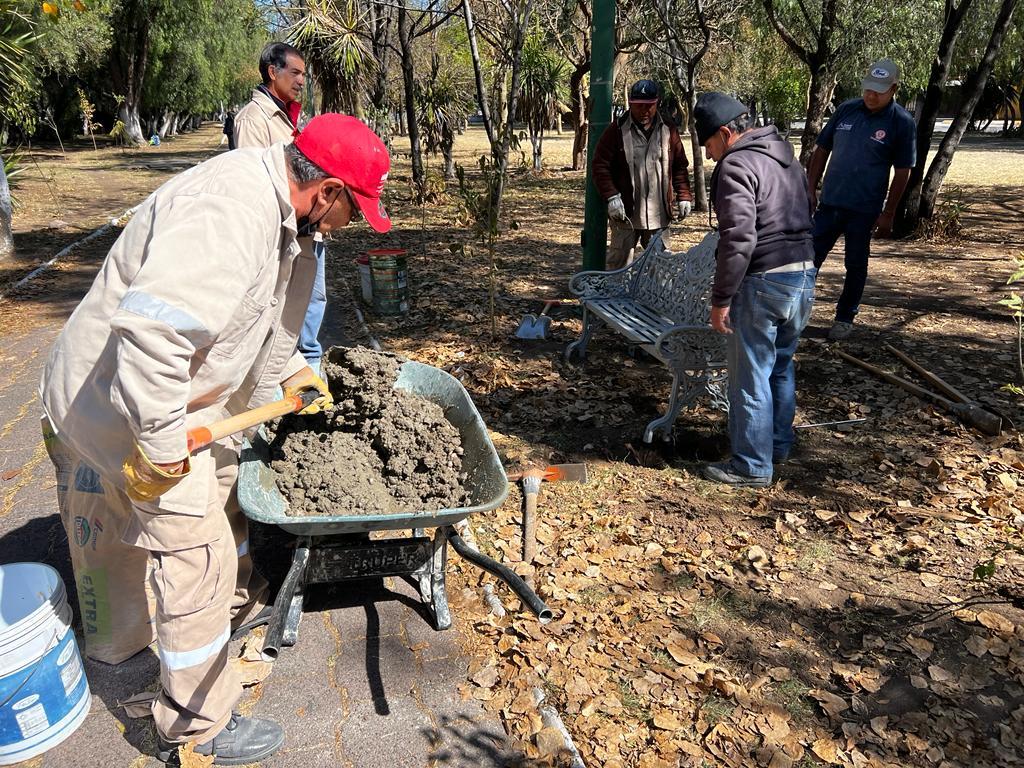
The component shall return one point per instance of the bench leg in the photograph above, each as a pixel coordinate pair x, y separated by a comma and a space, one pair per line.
580, 345
664, 423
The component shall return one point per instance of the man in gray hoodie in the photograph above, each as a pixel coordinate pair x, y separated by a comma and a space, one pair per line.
764, 282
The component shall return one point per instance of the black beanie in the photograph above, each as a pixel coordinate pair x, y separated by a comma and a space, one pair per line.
713, 110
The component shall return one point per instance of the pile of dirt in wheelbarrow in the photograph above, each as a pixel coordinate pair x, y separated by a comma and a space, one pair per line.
379, 451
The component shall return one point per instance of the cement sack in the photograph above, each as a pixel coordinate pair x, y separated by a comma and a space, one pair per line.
116, 603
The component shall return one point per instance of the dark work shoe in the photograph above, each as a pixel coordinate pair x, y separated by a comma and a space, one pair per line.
723, 472
244, 740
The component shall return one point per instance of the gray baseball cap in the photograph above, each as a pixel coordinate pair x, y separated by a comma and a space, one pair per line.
881, 76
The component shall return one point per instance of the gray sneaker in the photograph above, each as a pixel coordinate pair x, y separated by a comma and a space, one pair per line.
244, 740
724, 473
840, 331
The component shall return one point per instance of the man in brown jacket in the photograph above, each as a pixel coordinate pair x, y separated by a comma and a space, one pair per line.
194, 317
640, 170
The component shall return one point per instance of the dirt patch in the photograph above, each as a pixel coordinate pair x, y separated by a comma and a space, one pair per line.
381, 450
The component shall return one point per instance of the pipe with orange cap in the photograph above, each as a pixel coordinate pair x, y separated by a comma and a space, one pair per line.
200, 437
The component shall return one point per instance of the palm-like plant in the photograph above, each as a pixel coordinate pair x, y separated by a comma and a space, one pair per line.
544, 91
334, 37
17, 33
443, 101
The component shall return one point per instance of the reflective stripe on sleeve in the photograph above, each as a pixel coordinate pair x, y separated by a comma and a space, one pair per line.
145, 305
186, 659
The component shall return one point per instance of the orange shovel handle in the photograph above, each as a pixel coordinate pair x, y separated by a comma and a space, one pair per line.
200, 437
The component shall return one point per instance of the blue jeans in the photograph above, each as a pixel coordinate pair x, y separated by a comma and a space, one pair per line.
309, 344
831, 222
767, 315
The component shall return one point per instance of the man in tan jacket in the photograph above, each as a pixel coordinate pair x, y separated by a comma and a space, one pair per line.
272, 116
193, 317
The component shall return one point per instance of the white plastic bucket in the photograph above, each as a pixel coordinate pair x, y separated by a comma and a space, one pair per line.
365, 278
44, 695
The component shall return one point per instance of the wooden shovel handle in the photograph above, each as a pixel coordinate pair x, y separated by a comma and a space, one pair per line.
947, 389
199, 437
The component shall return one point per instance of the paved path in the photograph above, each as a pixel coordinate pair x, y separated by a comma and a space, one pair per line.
369, 682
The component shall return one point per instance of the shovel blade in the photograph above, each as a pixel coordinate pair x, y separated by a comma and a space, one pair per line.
533, 327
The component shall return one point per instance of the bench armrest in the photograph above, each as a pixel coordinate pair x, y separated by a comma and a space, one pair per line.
695, 347
606, 285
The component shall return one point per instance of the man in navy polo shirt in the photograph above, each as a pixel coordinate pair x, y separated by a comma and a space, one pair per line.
866, 137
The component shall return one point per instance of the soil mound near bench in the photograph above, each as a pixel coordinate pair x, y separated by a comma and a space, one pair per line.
379, 451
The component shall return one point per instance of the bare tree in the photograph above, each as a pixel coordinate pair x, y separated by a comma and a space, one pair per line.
508, 38
972, 91
953, 20
683, 31
825, 35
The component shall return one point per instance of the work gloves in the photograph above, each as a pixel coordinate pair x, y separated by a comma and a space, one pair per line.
145, 481
616, 209
305, 380
683, 208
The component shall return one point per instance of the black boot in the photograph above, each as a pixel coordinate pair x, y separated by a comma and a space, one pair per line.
244, 740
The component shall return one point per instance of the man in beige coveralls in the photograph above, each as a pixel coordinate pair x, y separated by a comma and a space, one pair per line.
193, 317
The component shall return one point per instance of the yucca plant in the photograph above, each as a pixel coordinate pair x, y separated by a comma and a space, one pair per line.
443, 102
333, 37
17, 34
545, 86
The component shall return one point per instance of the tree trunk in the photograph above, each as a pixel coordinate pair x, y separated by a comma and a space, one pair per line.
478, 72
129, 115
128, 60
928, 112
6, 216
447, 145
409, 83
508, 129
972, 92
537, 142
578, 116
165, 123
819, 94
700, 194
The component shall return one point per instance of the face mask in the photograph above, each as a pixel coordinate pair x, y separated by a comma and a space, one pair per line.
307, 227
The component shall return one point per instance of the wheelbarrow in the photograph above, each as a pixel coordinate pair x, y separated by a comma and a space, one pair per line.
334, 548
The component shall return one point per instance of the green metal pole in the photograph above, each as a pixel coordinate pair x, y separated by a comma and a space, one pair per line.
602, 61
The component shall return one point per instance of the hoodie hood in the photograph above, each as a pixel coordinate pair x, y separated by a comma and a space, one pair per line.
768, 142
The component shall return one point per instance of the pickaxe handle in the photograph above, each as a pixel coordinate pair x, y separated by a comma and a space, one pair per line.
947, 389
985, 422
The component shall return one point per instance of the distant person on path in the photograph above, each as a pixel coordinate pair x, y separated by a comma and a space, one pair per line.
272, 116
228, 132
865, 138
193, 318
640, 169
764, 282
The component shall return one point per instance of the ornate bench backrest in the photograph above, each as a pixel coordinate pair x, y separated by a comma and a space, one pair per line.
677, 285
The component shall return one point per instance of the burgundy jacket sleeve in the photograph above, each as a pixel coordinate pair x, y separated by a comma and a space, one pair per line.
680, 176
607, 145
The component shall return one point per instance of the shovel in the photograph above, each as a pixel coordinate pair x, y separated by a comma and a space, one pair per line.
200, 437
536, 326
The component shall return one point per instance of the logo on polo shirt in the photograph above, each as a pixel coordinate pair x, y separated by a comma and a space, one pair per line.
844, 127
879, 136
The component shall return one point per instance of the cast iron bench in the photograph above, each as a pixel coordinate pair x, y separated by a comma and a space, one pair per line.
662, 302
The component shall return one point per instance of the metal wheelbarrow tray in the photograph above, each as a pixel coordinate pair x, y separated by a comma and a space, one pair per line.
331, 548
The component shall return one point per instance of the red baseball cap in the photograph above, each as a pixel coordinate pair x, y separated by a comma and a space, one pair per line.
348, 150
